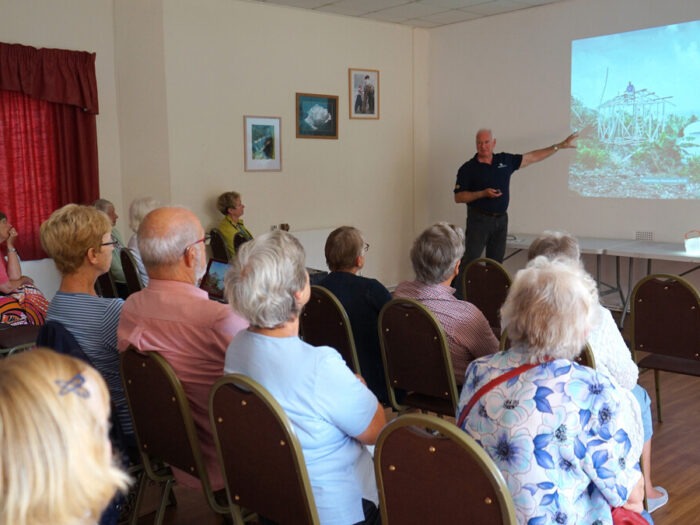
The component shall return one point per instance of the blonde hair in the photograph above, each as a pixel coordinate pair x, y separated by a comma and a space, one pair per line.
70, 232
550, 308
56, 458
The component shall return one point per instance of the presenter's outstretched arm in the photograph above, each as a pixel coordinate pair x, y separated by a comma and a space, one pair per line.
540, 154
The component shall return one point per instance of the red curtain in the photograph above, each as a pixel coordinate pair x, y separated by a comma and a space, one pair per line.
48, 136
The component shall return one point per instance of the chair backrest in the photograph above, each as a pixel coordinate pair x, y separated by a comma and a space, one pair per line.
430, 471
585, 358
105, 286
416, 358
485, 284
165, 431
262, 459
16, 338
665, 312
131, 271
218, 246
239, 240
324, 322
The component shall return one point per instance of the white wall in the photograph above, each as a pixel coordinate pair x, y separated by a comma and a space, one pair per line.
512, 73
225, 59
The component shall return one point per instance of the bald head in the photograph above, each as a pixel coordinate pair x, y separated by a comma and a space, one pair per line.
485, 144
164, 235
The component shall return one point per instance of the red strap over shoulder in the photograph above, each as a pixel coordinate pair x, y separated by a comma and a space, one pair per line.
488, 386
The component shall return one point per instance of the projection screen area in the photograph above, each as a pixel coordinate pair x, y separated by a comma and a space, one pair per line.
635, 97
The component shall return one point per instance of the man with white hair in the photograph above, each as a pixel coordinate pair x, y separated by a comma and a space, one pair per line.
175, 318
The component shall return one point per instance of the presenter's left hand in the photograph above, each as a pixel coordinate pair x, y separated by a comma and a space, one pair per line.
569, 142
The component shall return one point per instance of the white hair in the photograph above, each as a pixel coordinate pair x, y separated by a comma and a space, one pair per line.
550, 308
163, 247
138, 209
264, 278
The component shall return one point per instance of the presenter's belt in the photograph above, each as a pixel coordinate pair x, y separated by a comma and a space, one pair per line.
487, 213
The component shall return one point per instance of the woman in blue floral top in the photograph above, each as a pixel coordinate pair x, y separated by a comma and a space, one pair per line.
559, 432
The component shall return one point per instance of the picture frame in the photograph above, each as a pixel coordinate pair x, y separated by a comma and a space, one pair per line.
317, 116
262, 143
363, 88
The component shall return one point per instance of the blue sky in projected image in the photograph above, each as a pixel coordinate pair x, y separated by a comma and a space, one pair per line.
664, 60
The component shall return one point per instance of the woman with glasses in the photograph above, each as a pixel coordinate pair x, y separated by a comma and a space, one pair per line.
362, 299
79, 240
231, 226
21, 303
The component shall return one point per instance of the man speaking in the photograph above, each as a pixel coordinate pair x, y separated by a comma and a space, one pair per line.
483, 184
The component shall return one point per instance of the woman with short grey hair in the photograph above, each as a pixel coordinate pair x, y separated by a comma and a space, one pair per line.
562, 434
436, 256
436, 251
264, 281
333, 413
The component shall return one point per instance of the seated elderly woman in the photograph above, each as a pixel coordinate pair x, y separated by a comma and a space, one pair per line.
612, 356
57, 464
138, 209
79, 240
362, 299
231, 225
436, 255
21, 303
333, 413
563, 435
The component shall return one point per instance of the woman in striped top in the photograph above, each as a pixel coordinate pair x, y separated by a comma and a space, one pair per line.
78, 239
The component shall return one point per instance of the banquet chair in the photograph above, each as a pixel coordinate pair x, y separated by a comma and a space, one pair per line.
165, 432
585, 358
239, 240
131, 271
485, 284
665, 314
416, 358
17, 338
324, 322
105, 286
218, 246
262, 460
430, 471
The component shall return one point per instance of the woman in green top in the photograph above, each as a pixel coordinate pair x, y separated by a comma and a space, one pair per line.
231, 226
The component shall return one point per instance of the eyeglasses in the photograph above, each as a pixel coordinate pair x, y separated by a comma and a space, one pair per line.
206, 240
110, 243
365, 248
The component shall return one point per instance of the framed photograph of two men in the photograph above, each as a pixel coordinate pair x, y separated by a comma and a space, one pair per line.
263, 145
364, 93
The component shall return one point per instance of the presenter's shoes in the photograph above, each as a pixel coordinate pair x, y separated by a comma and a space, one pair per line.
657, 503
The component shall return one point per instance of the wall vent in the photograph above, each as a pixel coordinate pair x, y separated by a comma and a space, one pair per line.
643, 236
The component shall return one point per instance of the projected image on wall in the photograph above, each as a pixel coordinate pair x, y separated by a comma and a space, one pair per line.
635, 97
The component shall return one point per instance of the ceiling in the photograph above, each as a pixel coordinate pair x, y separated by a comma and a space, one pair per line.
417, 13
